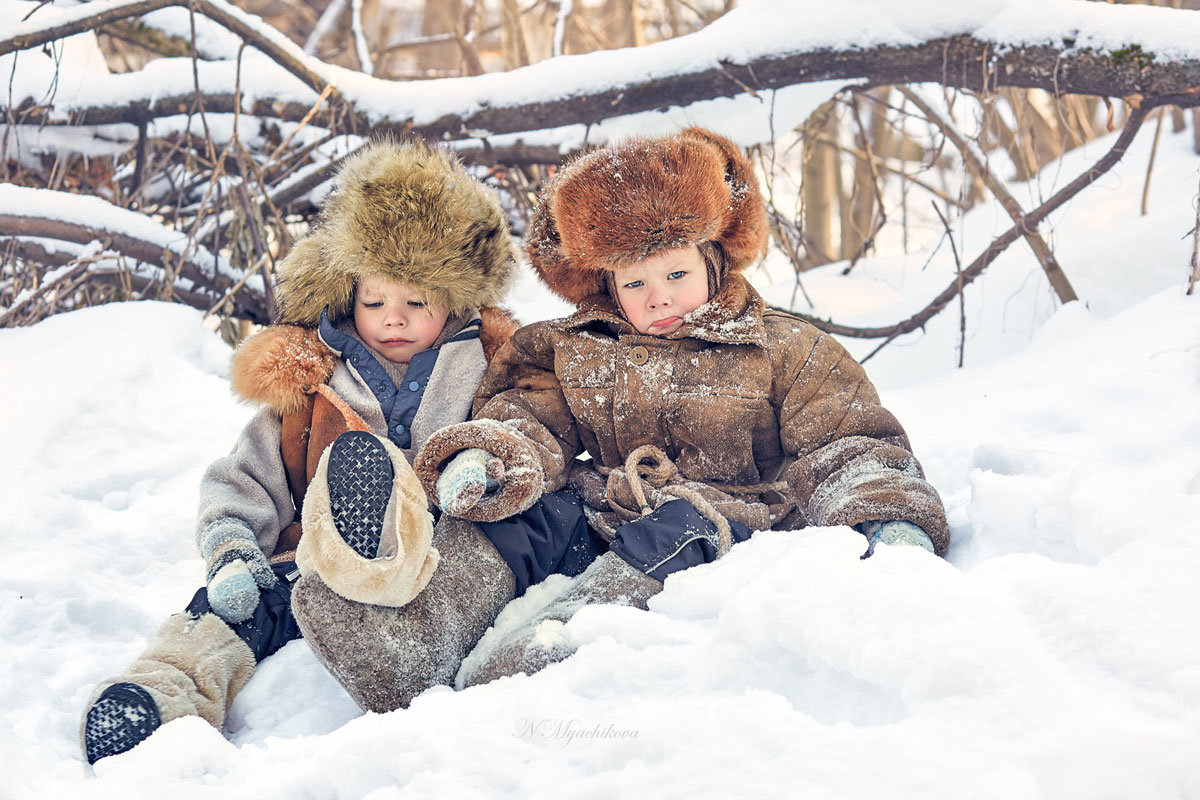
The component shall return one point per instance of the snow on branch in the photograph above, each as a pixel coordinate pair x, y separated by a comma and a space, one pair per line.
1062, 47
62, 216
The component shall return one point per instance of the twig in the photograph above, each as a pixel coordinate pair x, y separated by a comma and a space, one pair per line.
877, 221
1194, 276
312, 112
1150, 166
971, 157
962, 303
360, 38
998, 245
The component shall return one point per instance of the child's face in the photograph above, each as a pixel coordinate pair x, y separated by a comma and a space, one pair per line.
658, 292
395, 318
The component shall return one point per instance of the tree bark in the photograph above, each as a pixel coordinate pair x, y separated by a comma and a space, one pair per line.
959, 61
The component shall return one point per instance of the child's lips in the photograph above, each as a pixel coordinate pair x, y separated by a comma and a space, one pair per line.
396, 341
662, 323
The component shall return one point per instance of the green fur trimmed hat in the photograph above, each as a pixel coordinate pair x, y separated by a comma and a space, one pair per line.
404, 211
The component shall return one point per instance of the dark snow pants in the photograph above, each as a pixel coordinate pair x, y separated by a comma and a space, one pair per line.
272, 625
553, 538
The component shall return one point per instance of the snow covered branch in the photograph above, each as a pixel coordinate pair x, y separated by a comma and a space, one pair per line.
250, 28
1115, 59
65, 217
998, 245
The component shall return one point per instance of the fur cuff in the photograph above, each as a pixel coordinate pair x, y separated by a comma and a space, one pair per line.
407, 558
524, 478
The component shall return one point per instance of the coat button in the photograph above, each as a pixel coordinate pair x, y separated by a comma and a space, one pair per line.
639, 355
413, 386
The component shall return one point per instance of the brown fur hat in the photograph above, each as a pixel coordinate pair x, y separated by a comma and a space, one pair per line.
408, 212
626, 202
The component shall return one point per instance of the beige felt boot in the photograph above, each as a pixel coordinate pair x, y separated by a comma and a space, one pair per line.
385, 656
542, 641
193, 666
393, 515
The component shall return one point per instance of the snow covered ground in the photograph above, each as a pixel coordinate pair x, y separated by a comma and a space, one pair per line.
1055, 654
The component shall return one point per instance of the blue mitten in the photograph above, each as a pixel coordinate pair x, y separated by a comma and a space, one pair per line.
466, 478
237, 568
894, 532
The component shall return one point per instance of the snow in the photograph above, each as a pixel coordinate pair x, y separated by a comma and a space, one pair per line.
1053, 654
95, 213
753, 30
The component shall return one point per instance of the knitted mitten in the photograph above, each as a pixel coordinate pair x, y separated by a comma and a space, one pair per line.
236, 568
894, 532
466, 478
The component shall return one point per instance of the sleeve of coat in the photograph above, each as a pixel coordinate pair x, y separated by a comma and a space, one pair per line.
853, 459
249, 486
522, 417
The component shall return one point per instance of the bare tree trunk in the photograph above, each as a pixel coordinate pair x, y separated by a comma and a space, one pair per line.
819, 185
441, 16
623, 23
516, 54
875, 139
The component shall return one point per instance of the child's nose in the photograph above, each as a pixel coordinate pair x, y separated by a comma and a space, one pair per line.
659, 298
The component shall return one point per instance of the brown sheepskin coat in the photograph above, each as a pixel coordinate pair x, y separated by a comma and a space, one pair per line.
736, 397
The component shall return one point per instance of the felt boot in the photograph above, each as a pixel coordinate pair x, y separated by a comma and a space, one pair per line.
542, 641
368, 533
193, 666
384, 656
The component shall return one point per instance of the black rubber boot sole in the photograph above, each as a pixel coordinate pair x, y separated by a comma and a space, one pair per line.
123, 716
360, 483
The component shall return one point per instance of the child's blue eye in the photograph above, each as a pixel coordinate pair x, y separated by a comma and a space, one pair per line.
677, 274
416, 304
372, 305
633, 285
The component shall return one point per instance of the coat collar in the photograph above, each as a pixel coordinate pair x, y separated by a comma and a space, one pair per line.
734, 315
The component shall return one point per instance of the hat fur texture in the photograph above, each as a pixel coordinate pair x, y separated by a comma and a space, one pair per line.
626, 202
404, 211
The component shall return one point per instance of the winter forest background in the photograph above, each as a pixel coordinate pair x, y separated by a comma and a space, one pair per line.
992, 204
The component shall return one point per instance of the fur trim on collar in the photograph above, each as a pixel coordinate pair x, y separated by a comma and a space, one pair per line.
281, 365
626, 202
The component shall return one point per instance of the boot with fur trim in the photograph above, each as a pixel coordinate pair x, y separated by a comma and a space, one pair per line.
384, 657
381, 507
542, 641
193, 666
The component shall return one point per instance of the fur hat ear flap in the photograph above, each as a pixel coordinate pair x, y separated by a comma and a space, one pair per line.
626, 202
744, 238
303, 287
544, 248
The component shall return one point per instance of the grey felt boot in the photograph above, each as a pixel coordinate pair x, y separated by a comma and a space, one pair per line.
541, 641
385, 656
193, 666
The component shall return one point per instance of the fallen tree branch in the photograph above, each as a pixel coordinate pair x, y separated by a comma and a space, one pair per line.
253, 30
998, 245
958, 61
975, 163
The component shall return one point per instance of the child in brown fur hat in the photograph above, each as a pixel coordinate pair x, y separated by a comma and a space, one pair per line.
705, 415
384, 326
